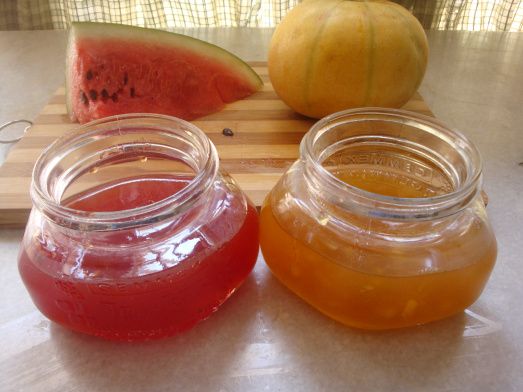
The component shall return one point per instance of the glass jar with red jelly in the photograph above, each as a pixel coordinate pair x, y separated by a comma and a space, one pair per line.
135, 233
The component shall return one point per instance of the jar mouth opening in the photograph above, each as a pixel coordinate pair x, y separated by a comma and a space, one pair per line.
110, 149
449, 156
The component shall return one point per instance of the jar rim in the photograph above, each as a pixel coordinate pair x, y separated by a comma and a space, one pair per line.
48, 201
387, 206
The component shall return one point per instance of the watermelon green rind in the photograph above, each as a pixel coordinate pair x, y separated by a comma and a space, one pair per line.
104, 31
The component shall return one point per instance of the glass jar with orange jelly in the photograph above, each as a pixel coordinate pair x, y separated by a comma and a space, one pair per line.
135, 233
380, 224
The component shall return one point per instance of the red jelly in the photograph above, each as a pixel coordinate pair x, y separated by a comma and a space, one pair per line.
141, 256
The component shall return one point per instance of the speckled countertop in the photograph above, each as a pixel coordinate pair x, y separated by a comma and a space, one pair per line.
264, 338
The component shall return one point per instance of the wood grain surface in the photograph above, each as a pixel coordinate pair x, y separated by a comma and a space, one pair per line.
266, 137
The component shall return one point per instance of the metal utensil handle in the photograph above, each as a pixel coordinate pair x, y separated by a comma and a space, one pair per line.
7, 124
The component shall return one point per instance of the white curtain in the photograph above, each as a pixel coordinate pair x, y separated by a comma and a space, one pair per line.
497, 15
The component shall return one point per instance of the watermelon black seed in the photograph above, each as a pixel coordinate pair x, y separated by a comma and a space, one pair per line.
93, 94
125, 79
84, 98
114, 97
227, 132
132, 92
89, 75
105, 94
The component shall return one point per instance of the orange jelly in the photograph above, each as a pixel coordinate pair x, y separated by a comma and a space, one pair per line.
377, 233
373, 299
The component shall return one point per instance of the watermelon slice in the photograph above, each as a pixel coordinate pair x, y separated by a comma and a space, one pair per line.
115, 69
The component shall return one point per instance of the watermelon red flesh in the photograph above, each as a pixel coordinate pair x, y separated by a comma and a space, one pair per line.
179, 76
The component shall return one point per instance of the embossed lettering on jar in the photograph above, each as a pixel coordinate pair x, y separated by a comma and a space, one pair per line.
134, 232
380, 224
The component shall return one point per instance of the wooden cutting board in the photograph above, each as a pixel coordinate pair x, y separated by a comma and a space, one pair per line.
266, 137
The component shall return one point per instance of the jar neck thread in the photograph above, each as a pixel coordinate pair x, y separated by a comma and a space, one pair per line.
400, 146
118, 140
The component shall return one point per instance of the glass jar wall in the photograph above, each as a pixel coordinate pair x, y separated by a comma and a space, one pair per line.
380, 223
134, 232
